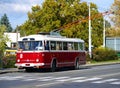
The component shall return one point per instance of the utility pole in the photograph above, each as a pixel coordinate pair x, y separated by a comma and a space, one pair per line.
104, 24
104, 31
90, 51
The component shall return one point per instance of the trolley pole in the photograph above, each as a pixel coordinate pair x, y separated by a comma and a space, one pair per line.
17, 37
90, 51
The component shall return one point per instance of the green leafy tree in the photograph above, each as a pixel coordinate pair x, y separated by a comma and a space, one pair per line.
71, 16
5, 21
3, 40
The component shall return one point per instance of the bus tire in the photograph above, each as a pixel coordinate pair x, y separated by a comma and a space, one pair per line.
76, 64
53, 66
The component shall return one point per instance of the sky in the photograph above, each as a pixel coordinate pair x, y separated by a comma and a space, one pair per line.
17, 10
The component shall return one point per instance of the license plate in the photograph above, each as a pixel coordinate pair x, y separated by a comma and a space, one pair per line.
27, 64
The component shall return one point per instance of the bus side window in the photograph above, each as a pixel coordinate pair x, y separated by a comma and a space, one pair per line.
70, 46
47, 45
81, 47
53, 45
65, 47
75, 45
59, 45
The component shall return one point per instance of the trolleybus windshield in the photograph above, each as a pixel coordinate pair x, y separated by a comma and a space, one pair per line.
30, 45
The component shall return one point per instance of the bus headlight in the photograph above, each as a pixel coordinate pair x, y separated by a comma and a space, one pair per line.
37, 60
18, 60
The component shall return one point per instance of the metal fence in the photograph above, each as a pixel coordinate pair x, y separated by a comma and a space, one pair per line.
113, 43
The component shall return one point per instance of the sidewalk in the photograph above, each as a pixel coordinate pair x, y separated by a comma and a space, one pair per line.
8, 70
101, 64
11, 70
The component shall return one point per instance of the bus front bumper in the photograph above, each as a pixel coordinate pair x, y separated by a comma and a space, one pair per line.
26, 65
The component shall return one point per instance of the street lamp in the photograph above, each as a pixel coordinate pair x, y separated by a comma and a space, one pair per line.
104, 31
90, 51
104, 25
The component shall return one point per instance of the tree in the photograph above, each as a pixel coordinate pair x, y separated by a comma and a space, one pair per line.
5, 21
69, 15
115, 31
116, 16
3, 40
116, 10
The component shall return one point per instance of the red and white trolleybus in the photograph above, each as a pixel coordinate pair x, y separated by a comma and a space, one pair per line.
49, 51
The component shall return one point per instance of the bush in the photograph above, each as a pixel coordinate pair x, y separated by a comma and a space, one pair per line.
104, 54
88, 57
9, 61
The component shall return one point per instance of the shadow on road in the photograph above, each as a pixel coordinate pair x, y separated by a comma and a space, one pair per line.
57, 70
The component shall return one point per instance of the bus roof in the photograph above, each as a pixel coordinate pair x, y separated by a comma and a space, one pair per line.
39, 37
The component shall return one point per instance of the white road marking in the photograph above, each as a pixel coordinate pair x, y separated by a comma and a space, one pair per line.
4, 78
29, 79
37, 79
48, 84
117, 83
45, 77
54, 78
89, 79
107, 80
70, 79
11, 78
62, 77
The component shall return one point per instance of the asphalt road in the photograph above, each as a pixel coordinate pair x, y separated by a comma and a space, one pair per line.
107, 76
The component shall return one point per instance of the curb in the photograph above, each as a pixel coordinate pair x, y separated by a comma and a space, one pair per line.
10, 70
101, 64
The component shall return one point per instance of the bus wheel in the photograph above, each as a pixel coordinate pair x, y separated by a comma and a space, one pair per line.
76, 64
53, 66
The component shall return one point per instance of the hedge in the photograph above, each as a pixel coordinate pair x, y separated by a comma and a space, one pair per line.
9, 61
104, 54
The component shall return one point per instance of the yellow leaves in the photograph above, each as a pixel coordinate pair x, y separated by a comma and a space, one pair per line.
116, 9
115, 32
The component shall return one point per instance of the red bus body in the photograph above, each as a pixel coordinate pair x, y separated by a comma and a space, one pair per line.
45, 58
